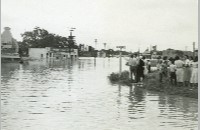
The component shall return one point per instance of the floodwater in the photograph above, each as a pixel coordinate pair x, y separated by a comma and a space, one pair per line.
77, 95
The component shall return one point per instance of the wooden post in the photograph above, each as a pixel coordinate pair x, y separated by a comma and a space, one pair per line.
120, 59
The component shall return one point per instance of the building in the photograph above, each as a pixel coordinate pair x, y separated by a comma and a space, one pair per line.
155, 55
101, 53
9, 46
38, 53
52, 53
83, 47
8, 43
147, 54
172, 53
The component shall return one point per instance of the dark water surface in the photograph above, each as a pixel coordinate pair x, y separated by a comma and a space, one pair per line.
77, 95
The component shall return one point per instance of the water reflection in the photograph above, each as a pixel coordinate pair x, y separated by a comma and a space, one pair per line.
136, 107
177, 111
76, 94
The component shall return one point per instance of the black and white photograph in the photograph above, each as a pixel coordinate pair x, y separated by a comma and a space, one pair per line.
99, 64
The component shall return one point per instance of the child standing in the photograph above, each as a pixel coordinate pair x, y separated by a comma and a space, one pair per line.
149, 66
172, 70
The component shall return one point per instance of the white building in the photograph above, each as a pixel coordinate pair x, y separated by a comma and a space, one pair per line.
8, 44
74, 53
38, 53
52, 53
86, 48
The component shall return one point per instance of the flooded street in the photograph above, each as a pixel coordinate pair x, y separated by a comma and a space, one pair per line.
77, 95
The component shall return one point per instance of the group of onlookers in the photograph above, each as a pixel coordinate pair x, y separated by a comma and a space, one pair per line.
182, 71
137, 69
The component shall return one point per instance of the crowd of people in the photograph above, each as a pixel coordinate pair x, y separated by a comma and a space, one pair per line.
181, 71
137, 68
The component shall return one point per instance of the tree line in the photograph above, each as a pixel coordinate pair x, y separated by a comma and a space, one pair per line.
40, 38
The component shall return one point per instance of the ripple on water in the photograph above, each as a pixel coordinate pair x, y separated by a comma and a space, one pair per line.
77, 95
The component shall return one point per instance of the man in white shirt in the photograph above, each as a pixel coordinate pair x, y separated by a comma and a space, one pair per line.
132, 62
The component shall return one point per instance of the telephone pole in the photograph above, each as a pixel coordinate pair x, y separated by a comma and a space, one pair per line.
104, 46
193, 49
95, 40
95, 50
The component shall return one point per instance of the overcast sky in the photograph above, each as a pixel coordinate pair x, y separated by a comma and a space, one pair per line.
133, 23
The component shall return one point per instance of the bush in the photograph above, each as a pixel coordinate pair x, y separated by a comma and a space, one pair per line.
123, 79
116, 77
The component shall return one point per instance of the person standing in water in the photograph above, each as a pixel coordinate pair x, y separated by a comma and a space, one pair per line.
194, 75
172, 70
132, 62
187, 71
179, 71
140, 69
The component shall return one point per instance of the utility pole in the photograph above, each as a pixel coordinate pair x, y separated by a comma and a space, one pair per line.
120, 58
95, 50
104, 49
71, 41
71, 30
193, 49
95, 40
104, 46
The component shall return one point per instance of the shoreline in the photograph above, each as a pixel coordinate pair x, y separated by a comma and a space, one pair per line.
151, 82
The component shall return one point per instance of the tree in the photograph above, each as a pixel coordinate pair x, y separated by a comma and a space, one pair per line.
40, 38
23, 49
179, 53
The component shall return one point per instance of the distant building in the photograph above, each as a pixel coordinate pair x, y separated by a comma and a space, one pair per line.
83, 47
8, 44
86, 48
9, 47
189, 53
52, 53
172, 53
147, 54
90, 48
169, 52
154, 48
155, 55
101, 53
37, 53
